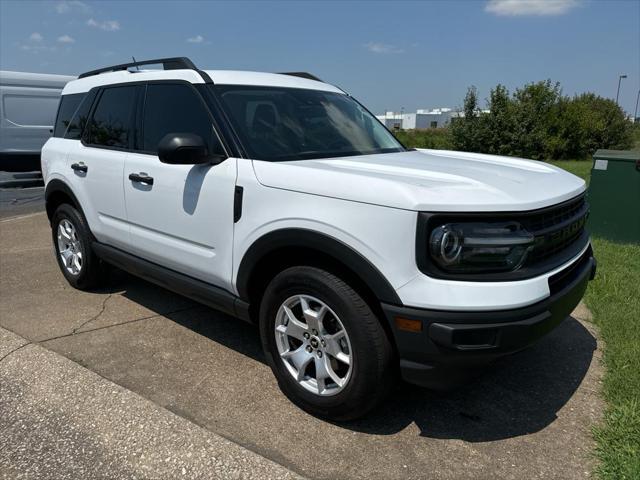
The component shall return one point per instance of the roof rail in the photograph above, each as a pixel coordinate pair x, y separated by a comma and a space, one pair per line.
173, 63
306, 75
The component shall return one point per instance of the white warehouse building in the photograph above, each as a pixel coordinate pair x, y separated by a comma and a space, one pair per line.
421, 119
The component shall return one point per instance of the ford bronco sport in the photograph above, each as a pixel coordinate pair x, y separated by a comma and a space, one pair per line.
279, 199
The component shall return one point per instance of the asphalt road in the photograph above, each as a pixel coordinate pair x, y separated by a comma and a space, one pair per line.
20, 194
529, 416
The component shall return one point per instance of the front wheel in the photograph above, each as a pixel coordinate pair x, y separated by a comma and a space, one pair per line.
324, 344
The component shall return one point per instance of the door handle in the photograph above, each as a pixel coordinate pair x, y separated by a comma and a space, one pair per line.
79, 167
141, 178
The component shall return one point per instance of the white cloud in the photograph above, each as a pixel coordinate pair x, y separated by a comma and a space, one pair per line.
35, 44
37, 48
196, 39
376, 47
107, 25
530, 7
66, 39
69, 5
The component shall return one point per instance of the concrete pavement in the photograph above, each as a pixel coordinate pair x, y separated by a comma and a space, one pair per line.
529, 417
60, 420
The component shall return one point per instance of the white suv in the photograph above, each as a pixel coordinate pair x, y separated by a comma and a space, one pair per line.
279, 199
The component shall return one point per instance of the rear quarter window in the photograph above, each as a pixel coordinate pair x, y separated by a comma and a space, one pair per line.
68, 106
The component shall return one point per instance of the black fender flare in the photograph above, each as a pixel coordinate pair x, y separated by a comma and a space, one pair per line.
55, 186
304, 238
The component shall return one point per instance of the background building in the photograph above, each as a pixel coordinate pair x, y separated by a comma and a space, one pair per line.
421, 119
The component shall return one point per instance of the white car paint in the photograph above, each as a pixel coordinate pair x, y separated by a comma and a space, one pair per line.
184, 221
100, 191
369, 203
224, 77
428, 180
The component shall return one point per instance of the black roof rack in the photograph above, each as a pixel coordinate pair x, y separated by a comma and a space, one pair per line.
306, 75
173, 63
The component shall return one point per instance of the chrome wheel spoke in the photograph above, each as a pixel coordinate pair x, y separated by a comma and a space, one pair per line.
300, 359
325, 371
334, 348
77, 265
311, 316
63, 232
66, 256
294, 327
307, 330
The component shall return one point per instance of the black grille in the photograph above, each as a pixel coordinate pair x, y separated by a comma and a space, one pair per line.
556, 228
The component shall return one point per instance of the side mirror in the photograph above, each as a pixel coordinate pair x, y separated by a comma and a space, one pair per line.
186, 149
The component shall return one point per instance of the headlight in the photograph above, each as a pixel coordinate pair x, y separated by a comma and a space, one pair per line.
480, 247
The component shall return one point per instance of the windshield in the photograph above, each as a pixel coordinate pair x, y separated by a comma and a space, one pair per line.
277, 123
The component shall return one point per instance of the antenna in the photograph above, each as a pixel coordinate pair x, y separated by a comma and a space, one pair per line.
134, 61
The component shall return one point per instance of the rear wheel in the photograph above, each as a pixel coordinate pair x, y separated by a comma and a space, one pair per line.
324, 344
72, 242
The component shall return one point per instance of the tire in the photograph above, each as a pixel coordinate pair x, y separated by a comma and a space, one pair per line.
79, 237
367, 377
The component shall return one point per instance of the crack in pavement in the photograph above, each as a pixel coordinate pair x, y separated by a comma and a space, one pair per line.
15, 350
95, 317
126, 322
41, 342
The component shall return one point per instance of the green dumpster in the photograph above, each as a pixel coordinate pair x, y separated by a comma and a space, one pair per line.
614, 195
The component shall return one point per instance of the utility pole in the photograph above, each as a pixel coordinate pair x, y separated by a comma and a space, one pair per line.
635, 115
619, 80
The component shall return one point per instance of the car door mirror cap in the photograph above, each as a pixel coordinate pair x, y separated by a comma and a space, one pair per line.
186, 149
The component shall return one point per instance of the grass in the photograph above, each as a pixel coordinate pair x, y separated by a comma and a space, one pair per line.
614, 299
436, 138
581, 168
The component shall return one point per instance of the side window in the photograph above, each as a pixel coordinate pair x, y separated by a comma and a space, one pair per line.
111, 122
68, 106
79, 118
171, 108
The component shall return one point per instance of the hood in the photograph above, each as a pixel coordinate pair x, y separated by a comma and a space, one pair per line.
427, 180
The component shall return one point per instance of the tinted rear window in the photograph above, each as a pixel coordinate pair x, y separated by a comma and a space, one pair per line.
79, 119
68, 106
111, 122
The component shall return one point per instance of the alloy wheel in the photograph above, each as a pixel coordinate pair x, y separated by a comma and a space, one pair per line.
313, 345
69, 247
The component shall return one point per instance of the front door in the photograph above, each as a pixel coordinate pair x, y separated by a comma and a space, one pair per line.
181, 217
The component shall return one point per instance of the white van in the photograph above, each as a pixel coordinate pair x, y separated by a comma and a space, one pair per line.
28, 106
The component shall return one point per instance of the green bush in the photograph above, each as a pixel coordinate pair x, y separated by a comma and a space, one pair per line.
537, 121
436, 138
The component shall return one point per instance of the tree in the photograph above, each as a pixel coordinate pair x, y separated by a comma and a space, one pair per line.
464, 130
538, 122
498, 125
536, 110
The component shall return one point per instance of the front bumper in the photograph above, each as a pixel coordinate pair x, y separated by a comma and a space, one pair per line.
450, 345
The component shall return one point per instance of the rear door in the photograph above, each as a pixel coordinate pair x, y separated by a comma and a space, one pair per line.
183, 220
97, 163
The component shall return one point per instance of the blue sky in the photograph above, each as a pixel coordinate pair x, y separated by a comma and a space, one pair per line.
387, 54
